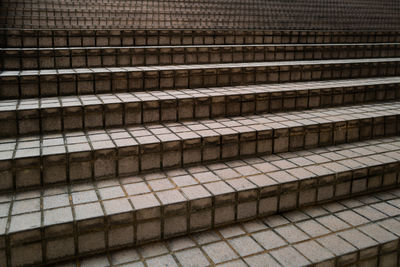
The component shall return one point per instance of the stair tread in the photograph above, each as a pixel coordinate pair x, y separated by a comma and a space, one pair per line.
197, 182
330, 230
351, 231
165, 95
90, 140
4, 74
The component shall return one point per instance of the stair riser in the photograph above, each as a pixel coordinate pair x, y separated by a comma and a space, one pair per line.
106, 160
156, 79
129, 56
201, 210
81, 38
172, 109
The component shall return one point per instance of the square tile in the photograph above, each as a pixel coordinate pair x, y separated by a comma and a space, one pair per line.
24, 206
121, 236
26, 255
160, 184
253, 226
57, 216
184, 180
55, 201
100, 261
358, 239
314, 251
86, 211
291, 233
351, 217
336, 245
111, 192
269, 239
261, 260
116, 206
191, 257
160, 261
333, 223
378, 233
154, 249
60, 248
124, 256
144, 201
84, 197
312, 228
219, 252
288, 256
206, 237
231, 231
25, 222
245, 245
180, 243
136, 188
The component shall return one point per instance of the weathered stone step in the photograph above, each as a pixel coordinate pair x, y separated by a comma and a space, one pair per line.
36, 161
127, 56
68, 113
92, 37
44, 226
364, 231
34, 83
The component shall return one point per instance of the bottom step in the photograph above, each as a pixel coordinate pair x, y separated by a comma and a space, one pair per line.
88, 218
363, 231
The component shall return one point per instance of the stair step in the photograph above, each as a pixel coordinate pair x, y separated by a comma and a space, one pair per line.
67, 113
199, 133
127, 56
305, 15
34, 83
97, 37
364, 231
96, 216
60, 158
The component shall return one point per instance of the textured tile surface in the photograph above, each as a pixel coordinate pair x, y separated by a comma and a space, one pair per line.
240, 243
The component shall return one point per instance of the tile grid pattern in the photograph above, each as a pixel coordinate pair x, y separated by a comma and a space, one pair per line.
362, 230
102, 188
34, 161
53, 82
90, 217
67, 113
202, 14
92, 57
100, 38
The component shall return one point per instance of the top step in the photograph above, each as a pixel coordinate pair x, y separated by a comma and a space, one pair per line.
100, 38
202, 14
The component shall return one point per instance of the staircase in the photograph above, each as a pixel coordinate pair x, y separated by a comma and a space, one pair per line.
199, 148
